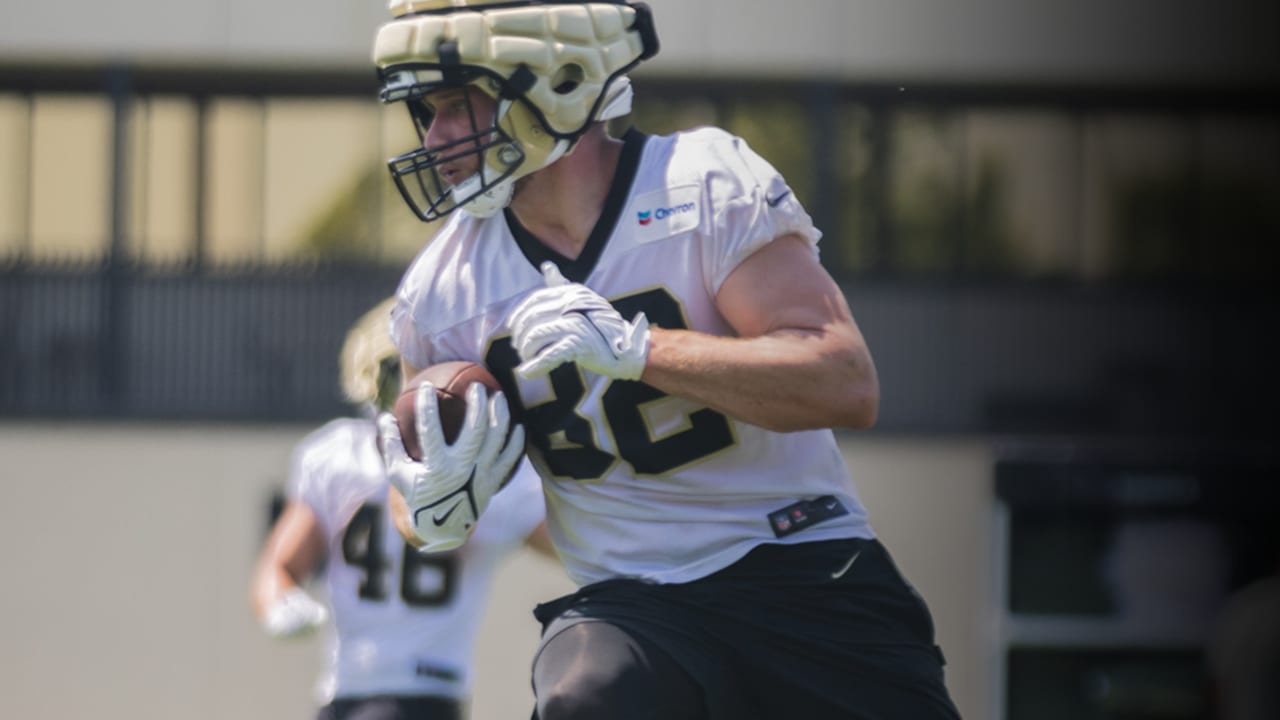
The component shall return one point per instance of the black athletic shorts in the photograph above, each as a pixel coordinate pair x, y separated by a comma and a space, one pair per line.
818, 630
392, 707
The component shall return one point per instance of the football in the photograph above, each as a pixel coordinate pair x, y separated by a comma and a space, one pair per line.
451, 380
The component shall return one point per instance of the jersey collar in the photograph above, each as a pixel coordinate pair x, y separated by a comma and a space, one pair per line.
578, 270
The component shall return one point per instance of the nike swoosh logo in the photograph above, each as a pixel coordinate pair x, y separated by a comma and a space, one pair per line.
773, 202
840, 573
442, 519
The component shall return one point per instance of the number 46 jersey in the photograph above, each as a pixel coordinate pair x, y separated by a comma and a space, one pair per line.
639, 483
405, 622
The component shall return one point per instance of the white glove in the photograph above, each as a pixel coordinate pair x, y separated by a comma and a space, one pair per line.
451, 487
568, 322
294, 614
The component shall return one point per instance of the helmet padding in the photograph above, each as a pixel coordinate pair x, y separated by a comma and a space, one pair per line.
553, 68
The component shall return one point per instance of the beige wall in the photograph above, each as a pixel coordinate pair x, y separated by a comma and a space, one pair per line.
898, 40
126, 551
932, 504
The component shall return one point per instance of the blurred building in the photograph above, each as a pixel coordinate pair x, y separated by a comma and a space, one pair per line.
1057, 225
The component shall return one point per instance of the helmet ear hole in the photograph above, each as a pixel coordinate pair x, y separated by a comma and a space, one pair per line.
567, 79
545, 64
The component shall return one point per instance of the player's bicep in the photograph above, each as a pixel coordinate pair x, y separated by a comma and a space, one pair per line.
782, 287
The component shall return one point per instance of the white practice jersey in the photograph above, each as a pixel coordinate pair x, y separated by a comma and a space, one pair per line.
638, 483
404, 622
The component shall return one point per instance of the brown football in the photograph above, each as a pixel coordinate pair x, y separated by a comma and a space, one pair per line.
451, 380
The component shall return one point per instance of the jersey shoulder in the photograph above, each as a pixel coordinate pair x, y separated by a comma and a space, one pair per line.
335, 443
721, 165
697, 153
467, 268
709, 185
336, 465
435, 273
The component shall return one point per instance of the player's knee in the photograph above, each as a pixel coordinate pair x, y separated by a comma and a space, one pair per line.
567, 706
578, 696
590, 670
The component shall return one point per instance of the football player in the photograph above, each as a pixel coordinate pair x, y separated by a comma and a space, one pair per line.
404, 622
662, 328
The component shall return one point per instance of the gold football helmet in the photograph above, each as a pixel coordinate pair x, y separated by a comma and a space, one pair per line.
369, 364
552, 67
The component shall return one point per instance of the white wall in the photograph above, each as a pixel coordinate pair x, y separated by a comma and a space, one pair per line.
126, 551
895, 40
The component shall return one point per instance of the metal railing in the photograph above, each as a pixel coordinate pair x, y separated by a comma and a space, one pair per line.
262, 343
955, 353
253, 344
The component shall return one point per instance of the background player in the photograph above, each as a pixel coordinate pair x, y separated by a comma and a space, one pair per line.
405, 623
656, 312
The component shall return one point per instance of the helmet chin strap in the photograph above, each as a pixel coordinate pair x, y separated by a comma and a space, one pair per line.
487, 204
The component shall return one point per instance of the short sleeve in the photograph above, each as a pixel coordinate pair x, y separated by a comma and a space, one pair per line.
333, 469
308, 477
752, 205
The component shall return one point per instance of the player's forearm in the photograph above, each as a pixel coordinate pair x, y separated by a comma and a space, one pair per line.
785, 381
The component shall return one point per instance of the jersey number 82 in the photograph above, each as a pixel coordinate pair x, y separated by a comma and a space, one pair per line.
566, 438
